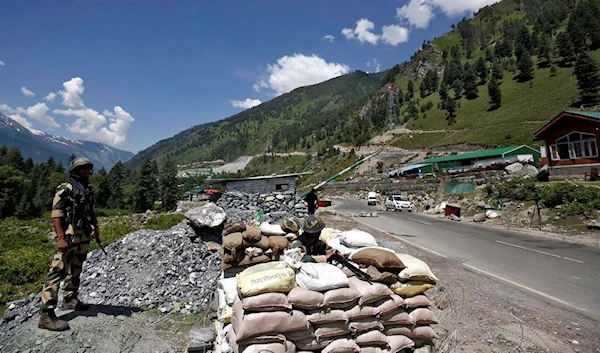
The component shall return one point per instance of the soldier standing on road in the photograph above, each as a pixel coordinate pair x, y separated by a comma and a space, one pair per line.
312, 200
380, 205
75, 224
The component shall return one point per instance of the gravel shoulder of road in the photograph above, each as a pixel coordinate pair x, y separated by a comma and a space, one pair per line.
479, 314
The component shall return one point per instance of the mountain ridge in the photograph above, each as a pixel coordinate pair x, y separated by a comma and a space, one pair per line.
40, 146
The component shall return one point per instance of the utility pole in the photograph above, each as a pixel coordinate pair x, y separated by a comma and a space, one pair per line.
392, 117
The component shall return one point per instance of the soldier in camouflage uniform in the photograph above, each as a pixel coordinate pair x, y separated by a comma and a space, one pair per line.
313, 249
75, 224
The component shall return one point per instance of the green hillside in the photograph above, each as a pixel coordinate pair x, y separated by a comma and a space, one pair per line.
328, 110
499, 36
524, 52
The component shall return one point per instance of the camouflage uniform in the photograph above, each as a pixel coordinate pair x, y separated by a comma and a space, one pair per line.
77, 215
313, 253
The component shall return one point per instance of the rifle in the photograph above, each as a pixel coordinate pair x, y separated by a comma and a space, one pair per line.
99, 241
71, 216
336, 256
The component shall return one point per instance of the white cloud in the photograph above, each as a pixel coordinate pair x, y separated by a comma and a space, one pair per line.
91, 124
457, 7
26, 92
246, 104
418, 13
50, 97
6, 109
2, 63
328, 37
72, 92
298, 70
362, 32
38, 112
375, 64
394, 35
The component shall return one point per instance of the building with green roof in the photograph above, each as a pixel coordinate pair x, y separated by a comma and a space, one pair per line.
470, 159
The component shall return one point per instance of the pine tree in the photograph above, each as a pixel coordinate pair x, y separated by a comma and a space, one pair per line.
443, 91
566, 48
168, 186
423, 90
495, 94
146, 188
457, 86
450, 106
497, 71
470, 82
482, 70
588, 79
410, 93
545, 50
431, 81
525, 66
115, 180
489, 55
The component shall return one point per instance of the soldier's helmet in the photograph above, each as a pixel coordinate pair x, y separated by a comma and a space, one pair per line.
291, 225
313, 224
79, 162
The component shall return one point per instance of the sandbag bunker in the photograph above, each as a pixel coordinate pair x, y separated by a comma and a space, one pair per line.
269, 301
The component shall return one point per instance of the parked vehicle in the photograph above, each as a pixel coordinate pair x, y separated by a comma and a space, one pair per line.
372, 198
398, 203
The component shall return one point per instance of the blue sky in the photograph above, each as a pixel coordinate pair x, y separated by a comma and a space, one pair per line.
130, 73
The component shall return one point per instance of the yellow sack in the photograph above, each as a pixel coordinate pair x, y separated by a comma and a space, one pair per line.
411, 288
225, 314
270, 277
328, 234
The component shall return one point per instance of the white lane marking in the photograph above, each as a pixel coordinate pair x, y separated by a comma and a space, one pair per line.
524, 287
399, 238
539, 251
416, 220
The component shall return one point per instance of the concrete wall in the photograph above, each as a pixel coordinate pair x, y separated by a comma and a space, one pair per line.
262, 186
572, 172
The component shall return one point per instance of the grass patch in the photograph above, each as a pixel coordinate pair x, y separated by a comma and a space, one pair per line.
164, 221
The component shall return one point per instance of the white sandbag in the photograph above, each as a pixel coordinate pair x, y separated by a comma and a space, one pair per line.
320, 277
337, 245
221, 299
221, 342
271, 229
328, 234
357, 239
416, 269
229, 286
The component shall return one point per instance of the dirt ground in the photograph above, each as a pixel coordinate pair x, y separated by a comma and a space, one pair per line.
480, 314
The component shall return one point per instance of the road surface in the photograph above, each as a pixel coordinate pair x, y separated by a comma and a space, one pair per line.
565, 273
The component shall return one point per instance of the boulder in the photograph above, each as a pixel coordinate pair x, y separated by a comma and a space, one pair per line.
479, 217
528, 171
513, 168
209, 215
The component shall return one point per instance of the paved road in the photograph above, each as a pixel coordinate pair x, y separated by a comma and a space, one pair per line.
564, 273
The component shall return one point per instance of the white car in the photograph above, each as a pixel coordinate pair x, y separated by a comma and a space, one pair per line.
398, 203
372, 198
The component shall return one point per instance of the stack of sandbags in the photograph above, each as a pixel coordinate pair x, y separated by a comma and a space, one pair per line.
244, 246
348, 241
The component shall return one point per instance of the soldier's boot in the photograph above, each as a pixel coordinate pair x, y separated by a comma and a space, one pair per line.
49, 321
75, 304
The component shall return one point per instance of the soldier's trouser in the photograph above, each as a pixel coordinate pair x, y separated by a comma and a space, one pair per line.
67, 269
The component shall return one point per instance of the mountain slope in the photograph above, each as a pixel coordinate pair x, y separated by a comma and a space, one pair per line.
40, 146
495, 36
527, 49
329, 110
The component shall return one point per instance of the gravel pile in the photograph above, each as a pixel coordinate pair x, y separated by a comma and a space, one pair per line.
170, 270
